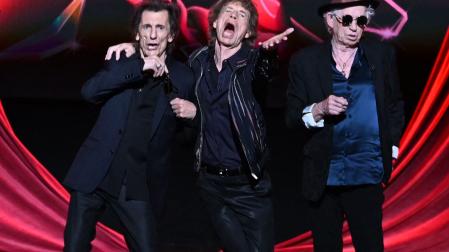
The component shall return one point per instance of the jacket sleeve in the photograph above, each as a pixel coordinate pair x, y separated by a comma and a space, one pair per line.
190, 85
191, 96
188, 93
113, 78
267, 65
296, 93
394, 99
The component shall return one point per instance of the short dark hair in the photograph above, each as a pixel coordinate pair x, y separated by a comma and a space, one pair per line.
248, 5
159, 5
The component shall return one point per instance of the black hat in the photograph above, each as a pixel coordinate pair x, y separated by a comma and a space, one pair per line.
341, 4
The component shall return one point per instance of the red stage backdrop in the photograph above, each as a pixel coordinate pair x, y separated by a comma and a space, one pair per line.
416, 210
34, 204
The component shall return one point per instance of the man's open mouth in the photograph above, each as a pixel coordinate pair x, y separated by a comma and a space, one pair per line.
229, 30
230, 27
152, 46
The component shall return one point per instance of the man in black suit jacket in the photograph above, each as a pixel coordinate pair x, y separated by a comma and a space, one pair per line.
345, 93
123, 163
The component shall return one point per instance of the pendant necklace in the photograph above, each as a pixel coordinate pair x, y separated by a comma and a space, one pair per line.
338, 60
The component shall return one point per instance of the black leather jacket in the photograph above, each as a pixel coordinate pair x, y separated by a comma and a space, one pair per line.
246, 114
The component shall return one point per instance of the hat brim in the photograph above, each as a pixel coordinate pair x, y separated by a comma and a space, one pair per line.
336, 6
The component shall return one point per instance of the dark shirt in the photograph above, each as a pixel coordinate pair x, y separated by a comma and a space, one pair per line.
130, 161
221, 144
356, 155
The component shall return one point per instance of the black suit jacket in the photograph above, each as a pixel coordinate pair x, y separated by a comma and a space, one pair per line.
114, 87
310, 76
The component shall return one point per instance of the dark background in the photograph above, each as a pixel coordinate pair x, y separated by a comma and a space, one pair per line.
40, 93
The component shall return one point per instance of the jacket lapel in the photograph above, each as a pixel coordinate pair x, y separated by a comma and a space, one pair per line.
159, 111
324, 69
162, 102
372, 57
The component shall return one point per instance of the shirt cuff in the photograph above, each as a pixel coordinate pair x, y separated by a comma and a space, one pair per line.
308, 119
395, 152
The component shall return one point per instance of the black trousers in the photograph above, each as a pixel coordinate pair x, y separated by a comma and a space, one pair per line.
362, 207
85, 209
241, 213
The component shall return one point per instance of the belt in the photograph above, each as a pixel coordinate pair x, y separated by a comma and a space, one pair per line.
221, 171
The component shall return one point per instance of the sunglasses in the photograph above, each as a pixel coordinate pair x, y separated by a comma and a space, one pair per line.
346, 20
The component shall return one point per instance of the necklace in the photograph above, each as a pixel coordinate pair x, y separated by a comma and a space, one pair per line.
343, 64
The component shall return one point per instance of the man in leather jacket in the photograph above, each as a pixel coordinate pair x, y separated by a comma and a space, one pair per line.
231, 148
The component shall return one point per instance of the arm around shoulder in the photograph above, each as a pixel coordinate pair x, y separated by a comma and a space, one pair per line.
114, 77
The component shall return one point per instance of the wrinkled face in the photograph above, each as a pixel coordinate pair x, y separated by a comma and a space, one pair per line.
232, 25
346, 35
154, 33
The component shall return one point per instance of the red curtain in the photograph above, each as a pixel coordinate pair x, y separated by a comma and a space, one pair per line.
416, 208
33, 204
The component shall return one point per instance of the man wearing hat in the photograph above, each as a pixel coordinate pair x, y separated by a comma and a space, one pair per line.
345, 94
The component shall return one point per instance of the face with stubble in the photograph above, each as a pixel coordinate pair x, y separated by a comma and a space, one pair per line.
154, 33
232, 25
346, 35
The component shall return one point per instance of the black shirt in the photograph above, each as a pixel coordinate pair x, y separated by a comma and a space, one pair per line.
130, 161
221, 144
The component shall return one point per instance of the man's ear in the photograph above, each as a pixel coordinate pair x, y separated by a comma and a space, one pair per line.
170, 38
247, 35
137, 37
214, 24
329, 20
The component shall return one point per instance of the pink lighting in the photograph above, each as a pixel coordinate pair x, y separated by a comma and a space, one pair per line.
135, 2
270, 15
395, 30
271, 8
384, 33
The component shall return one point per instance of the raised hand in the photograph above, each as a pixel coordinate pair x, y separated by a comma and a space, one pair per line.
117, 49
277, 39
156, 64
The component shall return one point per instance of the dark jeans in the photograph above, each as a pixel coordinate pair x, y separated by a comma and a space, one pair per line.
85, 209
361, 205
241, 213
